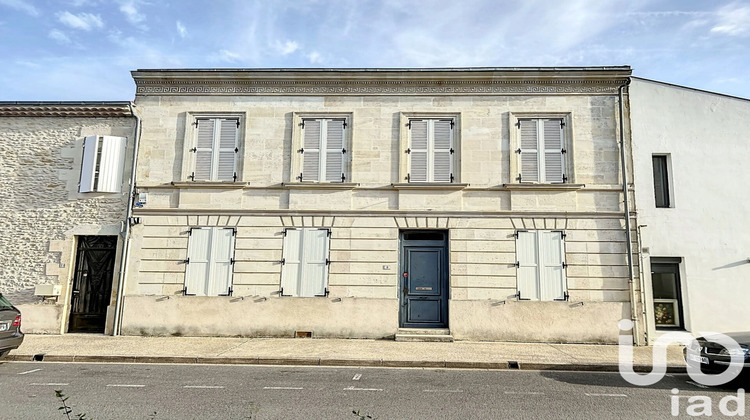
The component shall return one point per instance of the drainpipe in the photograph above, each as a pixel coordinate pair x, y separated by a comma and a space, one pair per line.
126, 231
626, 203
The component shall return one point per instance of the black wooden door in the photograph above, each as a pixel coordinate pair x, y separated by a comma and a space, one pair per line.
424, 280
92, 285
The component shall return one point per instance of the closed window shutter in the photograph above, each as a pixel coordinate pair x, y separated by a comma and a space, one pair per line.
554, 165
528, 269
204, 148
111, 164
290, 271
334, 145
226, 164
88, 164
222, 252
418, 163
199, 258
551, 265
442, 166
311, 154
314, 262
528, 159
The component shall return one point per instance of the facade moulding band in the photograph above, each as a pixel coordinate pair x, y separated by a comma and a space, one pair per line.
356, 213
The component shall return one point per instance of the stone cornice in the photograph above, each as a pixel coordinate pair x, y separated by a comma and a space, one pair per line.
61, 109
589, 81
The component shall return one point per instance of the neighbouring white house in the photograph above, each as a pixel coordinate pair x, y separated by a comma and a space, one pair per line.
691, 157
65, 181
478, 203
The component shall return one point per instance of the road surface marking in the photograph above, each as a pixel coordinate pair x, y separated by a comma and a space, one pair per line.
605, 395
30, 371
351, 388
48, 384
126, 385
281, 387
356, 377
698, 385
204, 386
442, 390
523, 393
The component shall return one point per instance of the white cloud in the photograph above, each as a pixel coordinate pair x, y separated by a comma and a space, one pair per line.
228, 56
22, 5
130, 10
59, 36
315, 58
286, 48
84, 21
732, 19
181, 29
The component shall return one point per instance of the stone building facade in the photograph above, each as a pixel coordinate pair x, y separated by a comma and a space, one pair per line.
464, 203
45, 218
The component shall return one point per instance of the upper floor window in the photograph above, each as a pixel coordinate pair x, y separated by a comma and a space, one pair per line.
430, 148
215, 149
103, 164
321, 148
540, 145
661, 181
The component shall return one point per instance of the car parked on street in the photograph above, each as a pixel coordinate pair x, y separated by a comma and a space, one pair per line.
714, 358
10, 327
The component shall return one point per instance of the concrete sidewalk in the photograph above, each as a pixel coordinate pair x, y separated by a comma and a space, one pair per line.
331, 352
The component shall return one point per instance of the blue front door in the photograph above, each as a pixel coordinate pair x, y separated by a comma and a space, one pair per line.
424, 279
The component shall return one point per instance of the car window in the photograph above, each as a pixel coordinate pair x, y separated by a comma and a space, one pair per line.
4, 303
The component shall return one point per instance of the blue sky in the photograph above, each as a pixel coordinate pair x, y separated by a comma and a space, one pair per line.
84, 49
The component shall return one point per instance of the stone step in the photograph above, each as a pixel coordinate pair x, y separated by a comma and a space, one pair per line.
426, 331
432, 338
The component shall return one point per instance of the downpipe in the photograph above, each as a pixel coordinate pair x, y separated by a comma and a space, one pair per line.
626, 205
117, 327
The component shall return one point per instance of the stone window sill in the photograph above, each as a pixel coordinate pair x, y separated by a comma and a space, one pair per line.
429, 186
543, 187
320, 185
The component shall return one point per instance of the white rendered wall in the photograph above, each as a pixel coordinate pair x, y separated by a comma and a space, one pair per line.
706, 138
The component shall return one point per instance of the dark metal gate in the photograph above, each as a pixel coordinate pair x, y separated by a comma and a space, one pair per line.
92, 285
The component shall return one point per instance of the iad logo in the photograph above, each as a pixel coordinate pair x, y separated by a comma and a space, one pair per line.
659, 357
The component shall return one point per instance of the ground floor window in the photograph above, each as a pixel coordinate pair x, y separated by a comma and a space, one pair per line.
210, 260
305, 262
540, 256
665, 283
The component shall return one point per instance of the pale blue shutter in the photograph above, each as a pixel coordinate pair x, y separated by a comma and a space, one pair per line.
528, 264
311, 150
222, 252
204, 148
528, 159
199, 258
442, 163
554, 165
292, 255
111, 164
552, 273
418, 151
314, 273
226, 158
88, 164
334, 145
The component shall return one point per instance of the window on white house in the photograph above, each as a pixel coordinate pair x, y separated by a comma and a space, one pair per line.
103, 164
323, 150
431, 150
305, 262
540, 150
210, 261
216, 149
541, 265
661, 181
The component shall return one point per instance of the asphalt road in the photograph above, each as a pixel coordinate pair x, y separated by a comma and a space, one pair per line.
150, 391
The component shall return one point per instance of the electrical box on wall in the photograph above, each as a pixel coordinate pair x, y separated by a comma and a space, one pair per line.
142, 199
47, 290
